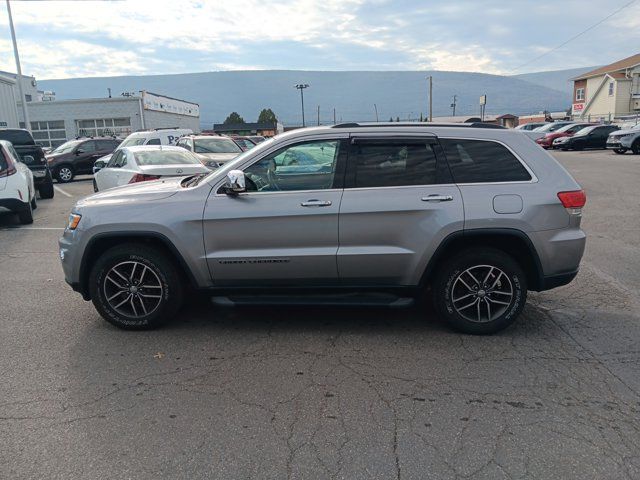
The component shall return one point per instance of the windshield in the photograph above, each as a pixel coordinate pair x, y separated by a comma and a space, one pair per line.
584, 131
215, 145
67, 146
550, 127
132, 141
165, 157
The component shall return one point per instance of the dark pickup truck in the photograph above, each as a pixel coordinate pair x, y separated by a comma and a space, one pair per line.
32, 156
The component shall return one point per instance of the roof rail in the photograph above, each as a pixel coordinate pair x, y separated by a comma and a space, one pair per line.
418, 124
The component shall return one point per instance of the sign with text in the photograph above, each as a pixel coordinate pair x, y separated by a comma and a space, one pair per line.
483, 100
160, 103
577, 108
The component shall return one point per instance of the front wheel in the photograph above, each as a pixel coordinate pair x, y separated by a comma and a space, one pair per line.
620, 151
46, 188
95, 185
480, 291
64, 174
135, 287
635, 148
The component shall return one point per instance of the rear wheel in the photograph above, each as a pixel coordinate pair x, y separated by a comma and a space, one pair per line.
135, 287
26, 214
620, 151
635, 148
64, 174
34, 203
46, 188
480, 291
95, 185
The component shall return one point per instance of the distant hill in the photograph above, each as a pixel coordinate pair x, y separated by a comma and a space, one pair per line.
352, 94
555, 79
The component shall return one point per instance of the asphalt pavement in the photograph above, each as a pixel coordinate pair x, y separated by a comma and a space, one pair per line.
314, 393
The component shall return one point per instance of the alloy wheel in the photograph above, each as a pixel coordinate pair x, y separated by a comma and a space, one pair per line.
482, 293
65, 174
132, 289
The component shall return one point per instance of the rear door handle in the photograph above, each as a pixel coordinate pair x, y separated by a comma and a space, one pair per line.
437, 198
316, 203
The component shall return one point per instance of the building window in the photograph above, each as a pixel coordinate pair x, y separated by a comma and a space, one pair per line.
103, 127
611, 89
49, 134
579, 94
27, 97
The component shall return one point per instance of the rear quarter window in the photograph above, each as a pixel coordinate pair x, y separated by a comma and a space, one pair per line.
482, 161
154, 141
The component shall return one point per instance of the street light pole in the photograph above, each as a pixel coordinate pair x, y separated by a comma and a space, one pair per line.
301, 87
430, 98
23, 101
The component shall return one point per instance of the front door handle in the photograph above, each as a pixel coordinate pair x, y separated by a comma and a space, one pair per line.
316, 203
437, 198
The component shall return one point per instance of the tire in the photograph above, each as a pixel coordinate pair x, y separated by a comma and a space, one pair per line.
95, 186
142, 311
635, 148
64, 173
34, 203
26, 214
456, 280
46, 189
620, 151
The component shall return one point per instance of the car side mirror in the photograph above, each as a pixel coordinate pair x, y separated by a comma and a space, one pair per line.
79, 151
99, 165
235, 182
28, 159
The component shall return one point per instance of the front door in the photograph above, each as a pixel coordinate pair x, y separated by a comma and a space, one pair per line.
398, 205
284, 229
86, 155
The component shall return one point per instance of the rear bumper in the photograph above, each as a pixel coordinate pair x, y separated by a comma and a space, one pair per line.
559, 280
13, 204
40, 175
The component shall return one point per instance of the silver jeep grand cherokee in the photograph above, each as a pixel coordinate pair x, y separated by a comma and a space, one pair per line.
353, 213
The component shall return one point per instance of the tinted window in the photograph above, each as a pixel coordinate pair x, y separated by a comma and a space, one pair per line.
154, 141
304, 166
87, 147
17, 137
475, 161
389, 164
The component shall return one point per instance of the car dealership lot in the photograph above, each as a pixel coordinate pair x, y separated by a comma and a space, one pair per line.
272, 392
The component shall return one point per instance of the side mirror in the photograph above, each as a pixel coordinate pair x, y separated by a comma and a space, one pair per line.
79, 151
235, 182
99, 165
28, 159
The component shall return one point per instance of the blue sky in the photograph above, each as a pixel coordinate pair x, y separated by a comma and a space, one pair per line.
101, 38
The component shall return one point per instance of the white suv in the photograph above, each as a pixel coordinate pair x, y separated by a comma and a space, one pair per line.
17, 191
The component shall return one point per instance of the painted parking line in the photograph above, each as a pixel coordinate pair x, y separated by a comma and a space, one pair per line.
59, 190
30, 228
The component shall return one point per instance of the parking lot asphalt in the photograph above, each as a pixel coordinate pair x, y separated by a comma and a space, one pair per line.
266, 392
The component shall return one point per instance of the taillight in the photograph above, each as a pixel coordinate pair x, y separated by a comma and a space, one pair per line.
141, 177
573, 200
10, 169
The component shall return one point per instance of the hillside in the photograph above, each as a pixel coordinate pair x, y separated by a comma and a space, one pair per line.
352, 94
555, 79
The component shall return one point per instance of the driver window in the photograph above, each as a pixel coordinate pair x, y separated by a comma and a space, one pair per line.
303, 166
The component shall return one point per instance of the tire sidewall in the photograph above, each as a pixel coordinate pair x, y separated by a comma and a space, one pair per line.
57, 174
160, 315
444, 290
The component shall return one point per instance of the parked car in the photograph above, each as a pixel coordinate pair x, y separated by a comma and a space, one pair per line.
551, 127
32, 155
566, 131
244, 143
374, 213
256, 138
621, 141
77, 157
589, 137
144, 163
17, 187
212, 150
530, 126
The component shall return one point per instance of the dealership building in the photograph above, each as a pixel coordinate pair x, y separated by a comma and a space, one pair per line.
54, 121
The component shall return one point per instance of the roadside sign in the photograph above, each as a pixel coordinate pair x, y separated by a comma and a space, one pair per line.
483, 100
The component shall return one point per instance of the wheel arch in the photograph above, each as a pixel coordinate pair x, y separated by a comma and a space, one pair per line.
104, 241
513, 242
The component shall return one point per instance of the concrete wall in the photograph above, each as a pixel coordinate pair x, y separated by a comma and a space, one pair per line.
8, 107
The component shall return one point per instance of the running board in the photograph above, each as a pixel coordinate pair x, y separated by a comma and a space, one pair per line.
356, 299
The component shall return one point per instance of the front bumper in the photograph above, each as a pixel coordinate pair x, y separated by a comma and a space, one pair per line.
614, 145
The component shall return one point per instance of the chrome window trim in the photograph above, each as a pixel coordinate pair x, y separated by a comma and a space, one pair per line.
534, 178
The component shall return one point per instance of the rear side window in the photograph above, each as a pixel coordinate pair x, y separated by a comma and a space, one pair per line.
3, 161
394, 163
482, 161
154, 141
17, 137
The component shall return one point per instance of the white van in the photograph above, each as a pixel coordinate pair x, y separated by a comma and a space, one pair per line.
158, 136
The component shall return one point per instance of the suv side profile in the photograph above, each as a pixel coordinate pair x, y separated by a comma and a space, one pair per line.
349, 214
76, 157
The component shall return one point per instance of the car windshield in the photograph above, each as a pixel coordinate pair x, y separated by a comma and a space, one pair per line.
585, 131
550, 127
216, 145
165, 157
67, 146
567, 127
132, 141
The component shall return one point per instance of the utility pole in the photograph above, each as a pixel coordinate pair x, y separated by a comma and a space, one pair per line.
334, 115
430, 98
301, 87
453, 105
109, 90
376, 108
23, 100
318, 115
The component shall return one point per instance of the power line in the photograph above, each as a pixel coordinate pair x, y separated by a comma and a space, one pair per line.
575, 36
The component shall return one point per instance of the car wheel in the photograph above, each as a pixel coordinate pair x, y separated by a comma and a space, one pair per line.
95, 185
635, 148
578, 147
135, 287
34, 203
64, 174
26, 214
620, 151
46, 189
480, 291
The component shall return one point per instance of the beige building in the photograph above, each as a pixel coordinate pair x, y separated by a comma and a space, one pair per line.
608, 93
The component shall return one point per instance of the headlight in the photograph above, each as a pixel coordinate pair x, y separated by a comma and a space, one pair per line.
74, 220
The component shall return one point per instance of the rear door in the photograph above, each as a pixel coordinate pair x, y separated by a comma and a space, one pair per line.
398, 205
87, 154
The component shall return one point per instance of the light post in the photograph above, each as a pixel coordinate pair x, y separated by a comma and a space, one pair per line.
23, 101
301, 87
